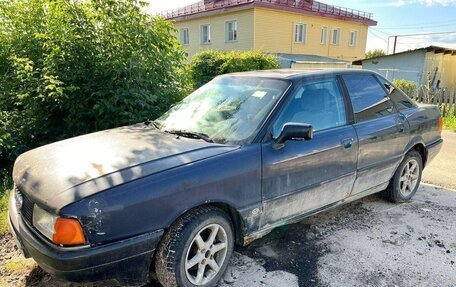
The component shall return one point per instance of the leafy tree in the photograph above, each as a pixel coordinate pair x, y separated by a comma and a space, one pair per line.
375, 53
208, 64
72, 67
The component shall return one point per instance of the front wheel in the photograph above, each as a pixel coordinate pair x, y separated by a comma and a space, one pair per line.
196, 250
406, 180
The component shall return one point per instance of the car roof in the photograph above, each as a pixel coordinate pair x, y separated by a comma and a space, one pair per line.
297, 74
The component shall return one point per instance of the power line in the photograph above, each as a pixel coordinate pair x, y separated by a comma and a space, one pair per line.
379, 37
417, 24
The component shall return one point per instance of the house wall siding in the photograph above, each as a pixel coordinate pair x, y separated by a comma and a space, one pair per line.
274, 32
245, 36
407, 66
445, 72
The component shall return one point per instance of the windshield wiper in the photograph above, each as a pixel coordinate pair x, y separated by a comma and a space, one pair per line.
153, 123
190, 134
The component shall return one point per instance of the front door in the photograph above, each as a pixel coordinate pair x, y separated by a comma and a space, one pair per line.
304, 176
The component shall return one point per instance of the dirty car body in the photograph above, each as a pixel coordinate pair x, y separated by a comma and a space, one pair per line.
127, 186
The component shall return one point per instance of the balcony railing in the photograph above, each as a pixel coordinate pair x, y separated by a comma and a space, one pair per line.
312, 6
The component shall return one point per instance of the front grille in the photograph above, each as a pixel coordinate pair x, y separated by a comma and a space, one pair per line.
27, 209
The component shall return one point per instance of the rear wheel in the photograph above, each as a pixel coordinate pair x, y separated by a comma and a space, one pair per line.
196, 249
406, 180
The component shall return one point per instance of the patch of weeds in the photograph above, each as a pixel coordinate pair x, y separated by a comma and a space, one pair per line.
3, 211
450, 123
19, 265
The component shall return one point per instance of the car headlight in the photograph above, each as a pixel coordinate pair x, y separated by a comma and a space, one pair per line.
44, 221
62, 231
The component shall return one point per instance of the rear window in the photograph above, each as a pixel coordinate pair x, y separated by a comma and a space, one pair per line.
368, 98
399, 98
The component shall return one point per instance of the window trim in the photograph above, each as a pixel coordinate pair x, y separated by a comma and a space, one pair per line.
288, 97
235, 31
356, 33
349, 100
303, 33
209, 34
325, 39
338, 38
188, 36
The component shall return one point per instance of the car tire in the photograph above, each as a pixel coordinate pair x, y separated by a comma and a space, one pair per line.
406, 179
200, 242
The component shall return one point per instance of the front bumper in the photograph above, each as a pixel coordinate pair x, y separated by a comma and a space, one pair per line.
126, 261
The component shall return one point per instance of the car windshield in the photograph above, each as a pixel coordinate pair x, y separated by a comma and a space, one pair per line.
228, 109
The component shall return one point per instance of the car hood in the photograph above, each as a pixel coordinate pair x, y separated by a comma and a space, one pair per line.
58, 174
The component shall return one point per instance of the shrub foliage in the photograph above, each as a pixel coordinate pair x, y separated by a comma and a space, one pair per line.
72, 67
208, 64
408, 87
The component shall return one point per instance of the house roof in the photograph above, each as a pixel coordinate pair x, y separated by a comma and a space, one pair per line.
435, 49
310, 7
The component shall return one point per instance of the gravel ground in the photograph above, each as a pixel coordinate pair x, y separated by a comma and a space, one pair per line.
370, 242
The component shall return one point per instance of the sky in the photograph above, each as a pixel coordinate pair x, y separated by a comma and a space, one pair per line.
394, 17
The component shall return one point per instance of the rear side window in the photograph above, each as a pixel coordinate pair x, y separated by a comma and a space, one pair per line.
368, 98
398, 97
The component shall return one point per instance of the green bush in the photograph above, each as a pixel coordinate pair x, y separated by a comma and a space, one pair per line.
73, 67
407, 87
208, 64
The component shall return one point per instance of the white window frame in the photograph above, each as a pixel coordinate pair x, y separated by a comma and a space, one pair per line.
184, 36
202, 42
234, 32
324, 35
303, 37
337, 42
355, 39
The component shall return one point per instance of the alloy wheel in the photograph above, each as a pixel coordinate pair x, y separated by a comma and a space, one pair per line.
409, 177
206, 254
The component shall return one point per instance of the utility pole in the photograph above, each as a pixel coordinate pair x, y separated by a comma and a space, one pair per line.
408, 35
395, 44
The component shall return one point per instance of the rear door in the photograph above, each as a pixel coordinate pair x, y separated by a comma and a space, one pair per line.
304, 176
382, 132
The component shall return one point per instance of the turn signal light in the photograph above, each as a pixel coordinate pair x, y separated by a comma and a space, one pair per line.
68, 231
440, 124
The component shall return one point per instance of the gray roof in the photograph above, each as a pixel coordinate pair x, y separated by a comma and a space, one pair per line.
435, 49
291, 73
308, 58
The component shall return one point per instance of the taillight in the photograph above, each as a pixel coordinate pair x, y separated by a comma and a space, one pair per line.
440, 124
68, 231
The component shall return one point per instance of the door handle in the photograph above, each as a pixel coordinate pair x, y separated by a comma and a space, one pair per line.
347, 143
400, 127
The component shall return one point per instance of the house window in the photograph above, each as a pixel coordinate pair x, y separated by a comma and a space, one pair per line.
324, 35
205, 34
300, 33
335, 36
230, 31
353, 38
184, 37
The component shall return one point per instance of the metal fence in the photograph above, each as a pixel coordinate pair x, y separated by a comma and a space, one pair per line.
445, 99
313, 6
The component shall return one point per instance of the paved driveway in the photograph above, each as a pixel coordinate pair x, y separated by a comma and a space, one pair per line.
442, 170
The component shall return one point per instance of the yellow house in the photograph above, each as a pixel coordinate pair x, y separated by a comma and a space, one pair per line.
298, 27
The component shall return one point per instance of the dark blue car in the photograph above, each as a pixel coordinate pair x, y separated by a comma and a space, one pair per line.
238, 157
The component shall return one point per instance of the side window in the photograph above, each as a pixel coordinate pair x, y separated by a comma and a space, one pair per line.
398, 97
368, 98
319, 103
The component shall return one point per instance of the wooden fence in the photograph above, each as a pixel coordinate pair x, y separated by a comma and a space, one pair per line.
444, 99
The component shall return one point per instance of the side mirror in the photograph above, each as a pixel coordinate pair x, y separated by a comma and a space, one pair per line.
293, 131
